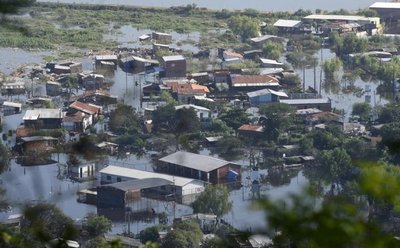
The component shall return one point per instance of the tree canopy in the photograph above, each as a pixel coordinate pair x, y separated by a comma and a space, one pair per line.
184, 234
124, 120
235, 117
277, 117
12, 6
214, 200
246, 27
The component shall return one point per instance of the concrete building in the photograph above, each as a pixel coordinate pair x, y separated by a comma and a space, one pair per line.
200, 167
174, 66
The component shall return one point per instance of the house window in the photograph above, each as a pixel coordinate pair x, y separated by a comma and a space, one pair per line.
119, 179
108, 178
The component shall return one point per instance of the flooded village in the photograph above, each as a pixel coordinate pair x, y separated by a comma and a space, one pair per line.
140, 132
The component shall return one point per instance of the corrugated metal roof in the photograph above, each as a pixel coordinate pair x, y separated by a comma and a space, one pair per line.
266, 91
385, 5
253, 80
140, 174
37, 138
139, 184
173, 58
106, 57
305, 101
192, 106
34, 114
195, 161
12, 104
251, 128
263, 38
340, 18
287, 23
270, 61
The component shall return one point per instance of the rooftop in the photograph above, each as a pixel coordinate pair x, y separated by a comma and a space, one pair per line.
195, 161
12, 104
34, 114
340, 18
287, 23
191, 106
140, 174
139, 184
266, 91
233, 54
263, 38
106, 57
385, 5
173, 58
306, 101
185, 88
270, 61
253, 80
37, 138
85, 107
251, 128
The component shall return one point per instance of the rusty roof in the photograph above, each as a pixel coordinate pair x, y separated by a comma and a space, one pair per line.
187, 88
254, 80
251, 128
86, 108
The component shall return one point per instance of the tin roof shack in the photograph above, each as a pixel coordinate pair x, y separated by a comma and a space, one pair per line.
39, 102
174, 66
163, 37
11, 108
77, 122
65, 68
151, 92
88, 108
98, 97
82, 172
323, 104
93, 82
185, 190
201, 112
198, 166
38, 144
43, 118
288, 26
13, 221
265, 96
231, 55
53, 88
270, 63
251, 131
184, 92
105, 58
201, 77
253, 82
252, 54
260, 41
9, 89
109, 147
142, 64
160, 47
119, 195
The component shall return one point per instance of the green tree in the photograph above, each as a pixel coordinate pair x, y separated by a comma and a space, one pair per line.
150, 234
390, 134
276, 118
5, 156
184, 234
244, 26
214, 200
331, 69
234, 117
363, 110
124, 120
389, 113
97, 225
12, 6
337, 163
44, 222
164, 118
272, 50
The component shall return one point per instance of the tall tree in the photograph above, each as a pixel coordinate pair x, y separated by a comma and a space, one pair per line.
213, 200
363, 110
235, 117
244, 26
277, 118
124, 120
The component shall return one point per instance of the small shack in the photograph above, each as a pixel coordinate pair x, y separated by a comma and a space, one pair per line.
11, 108
53, 88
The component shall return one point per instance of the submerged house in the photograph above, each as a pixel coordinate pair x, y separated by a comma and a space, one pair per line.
184, 92
201, 112
16, 88
174, 66
38, 144
202, 167
184, 190
265, 96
